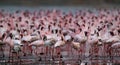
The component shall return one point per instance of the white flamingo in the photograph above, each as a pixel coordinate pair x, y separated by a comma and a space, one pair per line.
67, 38
17, 45
117, 44
2, 31
50, 39
83, 63
80, 39
113, 39
76, 45
29, 38
14, 44
37, 43
26, 38
59, 43
14, 33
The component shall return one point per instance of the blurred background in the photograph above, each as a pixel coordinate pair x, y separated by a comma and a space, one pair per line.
58, 2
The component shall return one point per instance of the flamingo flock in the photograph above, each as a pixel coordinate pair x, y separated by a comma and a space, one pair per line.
86, 31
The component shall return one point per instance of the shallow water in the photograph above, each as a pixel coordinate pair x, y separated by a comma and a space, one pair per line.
73, 9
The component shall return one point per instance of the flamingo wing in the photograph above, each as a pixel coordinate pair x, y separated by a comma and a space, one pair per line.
76, 45
17, 42
113, 40
9, 42
59, 43
67, 37
37, 43
26, 38
116, 44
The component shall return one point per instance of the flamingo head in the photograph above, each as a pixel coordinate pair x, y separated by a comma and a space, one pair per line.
119, 31
44, 38
76, 45
86, 33
111, 33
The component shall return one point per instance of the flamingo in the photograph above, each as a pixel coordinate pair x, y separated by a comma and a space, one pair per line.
83, 63
115, 44
105, 37
113, 39
17, 45
14, 44
76, 45
14, 33
81, 39
37, 43
50, 39
2, 31
50, 42
67, 38
85, 19
34, 37
59, 43
93, 39
30, 38
26, 38
2, 43
8, 41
